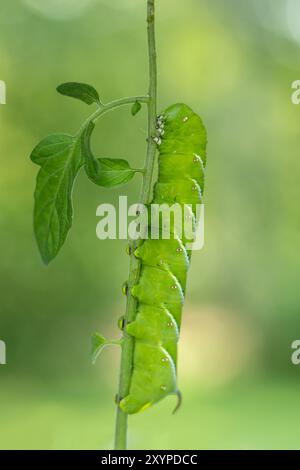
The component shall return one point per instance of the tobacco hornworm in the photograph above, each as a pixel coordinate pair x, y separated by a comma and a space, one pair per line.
181, 138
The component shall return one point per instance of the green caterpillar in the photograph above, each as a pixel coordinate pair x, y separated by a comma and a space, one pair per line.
164, 262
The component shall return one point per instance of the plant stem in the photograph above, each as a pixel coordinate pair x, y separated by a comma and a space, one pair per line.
134, 269
105, 108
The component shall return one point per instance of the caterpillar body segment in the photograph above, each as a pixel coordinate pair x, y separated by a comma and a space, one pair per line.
184, 133
189, 166
181, 139
152, 364
168, 256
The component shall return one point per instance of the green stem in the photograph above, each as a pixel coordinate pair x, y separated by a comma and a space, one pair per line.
134, 269
105, 108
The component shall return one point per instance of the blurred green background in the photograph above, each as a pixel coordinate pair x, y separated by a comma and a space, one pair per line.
233, 61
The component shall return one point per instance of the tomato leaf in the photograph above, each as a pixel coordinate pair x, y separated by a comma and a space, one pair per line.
114, 172
98, 343
60, 158
136, 107
80, 91
107, 172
